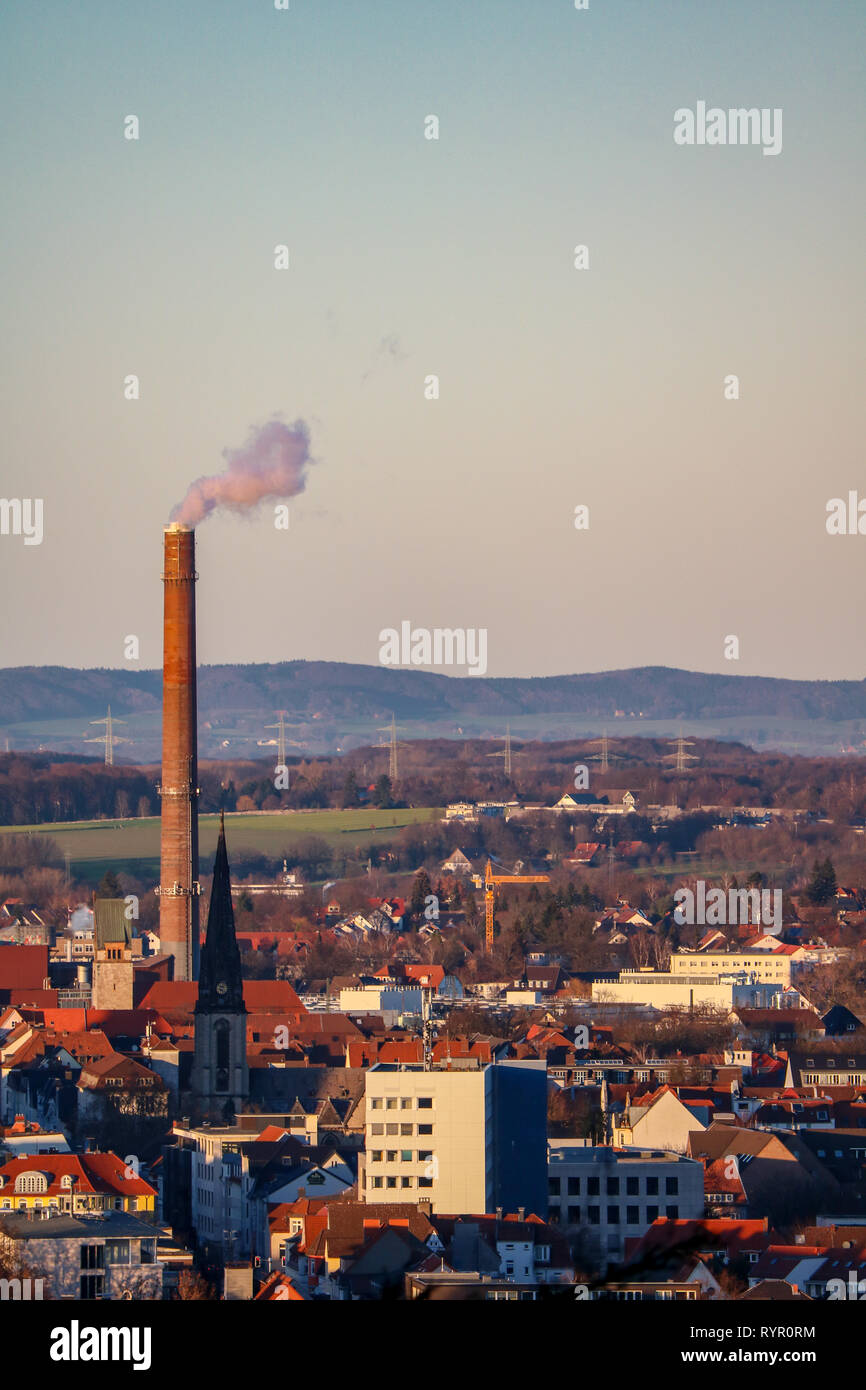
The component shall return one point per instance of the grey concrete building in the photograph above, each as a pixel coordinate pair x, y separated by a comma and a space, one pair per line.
611, 1195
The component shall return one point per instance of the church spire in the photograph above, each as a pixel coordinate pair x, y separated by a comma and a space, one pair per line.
220, 988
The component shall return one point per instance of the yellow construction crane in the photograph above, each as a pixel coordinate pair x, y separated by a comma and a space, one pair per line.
490, 881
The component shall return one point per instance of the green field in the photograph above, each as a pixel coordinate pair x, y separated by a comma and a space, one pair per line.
133, 845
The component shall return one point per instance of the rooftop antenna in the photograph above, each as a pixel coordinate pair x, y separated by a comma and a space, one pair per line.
109, 738
427, 1027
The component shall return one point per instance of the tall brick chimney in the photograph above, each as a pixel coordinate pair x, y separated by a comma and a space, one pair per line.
179, 886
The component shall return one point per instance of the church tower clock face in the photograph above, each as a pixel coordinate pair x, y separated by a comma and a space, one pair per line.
222, 987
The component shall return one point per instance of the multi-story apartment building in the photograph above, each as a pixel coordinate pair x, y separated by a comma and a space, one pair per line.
767, 967
616, 1194
212, 1182
464, 1140
734, 988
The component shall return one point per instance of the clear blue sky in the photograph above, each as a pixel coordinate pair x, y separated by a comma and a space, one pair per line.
454, 257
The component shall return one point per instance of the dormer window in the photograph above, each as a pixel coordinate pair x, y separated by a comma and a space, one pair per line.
31, 1182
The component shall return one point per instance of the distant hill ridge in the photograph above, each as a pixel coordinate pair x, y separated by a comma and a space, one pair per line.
343, 690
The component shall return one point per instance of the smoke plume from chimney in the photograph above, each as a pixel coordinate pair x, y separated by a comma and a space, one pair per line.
272, 464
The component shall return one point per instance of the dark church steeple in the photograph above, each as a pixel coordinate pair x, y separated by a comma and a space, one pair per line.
220, 983
220, 1076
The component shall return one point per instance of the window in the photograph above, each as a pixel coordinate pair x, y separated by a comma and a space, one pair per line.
425, 1102
613, 1216
405, 1182
375, 1102
222, 1034
391, 1155
392, 1129
672, 1213
390, 1182
425, 1129
652, 1214
672, 1187
425, 1182
91, 1286
632, 1216
632, 1186
553, 1187
377, 1129
376, 1182
574, 1215
592, 1187
117, 1252
31, 1182
391, 1103
405, 1103
593, 1215
405, 1155
425, 1155
574, 1187
405, 1129
652, 1187
613, 1187
92, 1256
376, 1156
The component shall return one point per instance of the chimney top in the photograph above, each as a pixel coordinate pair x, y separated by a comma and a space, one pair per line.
177, 526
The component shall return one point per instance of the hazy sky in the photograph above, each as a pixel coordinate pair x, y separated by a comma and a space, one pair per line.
411, 257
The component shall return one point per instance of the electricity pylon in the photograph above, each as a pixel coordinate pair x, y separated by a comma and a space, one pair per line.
681, 758
604, 744
392, 745
109, 738
281, 737
505, 753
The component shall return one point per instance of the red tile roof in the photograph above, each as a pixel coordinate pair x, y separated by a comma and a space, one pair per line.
95, 1172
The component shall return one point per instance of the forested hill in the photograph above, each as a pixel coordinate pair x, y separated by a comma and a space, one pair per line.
342, 691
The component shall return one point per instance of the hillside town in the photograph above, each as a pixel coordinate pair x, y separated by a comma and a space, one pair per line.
503, 1079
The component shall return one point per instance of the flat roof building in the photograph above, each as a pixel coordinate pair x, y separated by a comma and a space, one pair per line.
464, 1140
